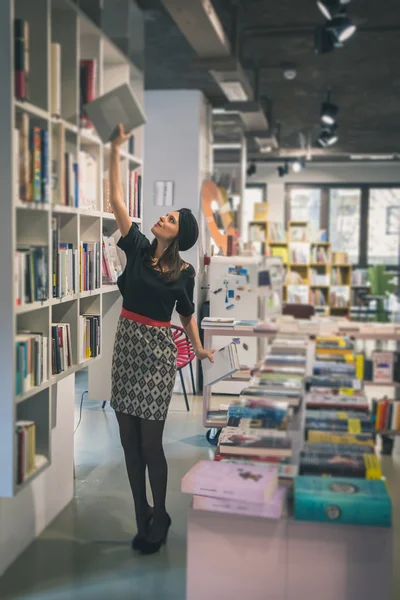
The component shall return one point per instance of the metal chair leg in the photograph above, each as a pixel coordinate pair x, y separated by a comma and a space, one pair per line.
184, 390
191, 375
104, 404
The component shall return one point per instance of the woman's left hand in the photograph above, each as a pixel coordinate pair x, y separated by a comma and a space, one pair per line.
201, 354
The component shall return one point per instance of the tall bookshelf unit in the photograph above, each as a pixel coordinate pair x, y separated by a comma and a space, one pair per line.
29, 223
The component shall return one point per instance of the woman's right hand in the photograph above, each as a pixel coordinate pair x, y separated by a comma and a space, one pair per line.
121, 136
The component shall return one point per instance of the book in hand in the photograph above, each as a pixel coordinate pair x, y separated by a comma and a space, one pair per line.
225, 480
226, 363
109, 110
340, 464
342, 500
273, 509
248, 442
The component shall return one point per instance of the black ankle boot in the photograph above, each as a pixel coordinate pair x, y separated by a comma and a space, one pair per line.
139, 539
147, 547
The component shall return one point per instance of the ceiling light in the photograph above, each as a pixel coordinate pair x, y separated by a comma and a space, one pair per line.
251, 169
329, 111
283, 170
328, 137
298, 165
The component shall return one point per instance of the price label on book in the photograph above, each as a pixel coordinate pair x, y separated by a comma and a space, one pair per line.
346, 392
354, 426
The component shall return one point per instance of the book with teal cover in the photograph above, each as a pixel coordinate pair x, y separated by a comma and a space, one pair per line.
347, 501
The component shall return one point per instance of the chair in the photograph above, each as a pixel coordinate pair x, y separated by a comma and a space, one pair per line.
185, 357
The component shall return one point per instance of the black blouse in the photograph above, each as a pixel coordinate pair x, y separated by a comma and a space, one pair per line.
144, 289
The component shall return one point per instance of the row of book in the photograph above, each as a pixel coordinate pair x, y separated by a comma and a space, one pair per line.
320, 254
61, 347
31, 274
89, 337
299, 254
386, 414
111, 264
31, 151
31, 361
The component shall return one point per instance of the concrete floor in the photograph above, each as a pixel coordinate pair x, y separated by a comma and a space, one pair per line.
85, 554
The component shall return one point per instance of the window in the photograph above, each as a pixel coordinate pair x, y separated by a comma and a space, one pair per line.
252, 195
305, 205
383, 226
344, 221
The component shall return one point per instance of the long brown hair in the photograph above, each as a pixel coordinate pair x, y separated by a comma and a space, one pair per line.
170, 263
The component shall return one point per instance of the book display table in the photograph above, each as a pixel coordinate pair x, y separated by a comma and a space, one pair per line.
232, 557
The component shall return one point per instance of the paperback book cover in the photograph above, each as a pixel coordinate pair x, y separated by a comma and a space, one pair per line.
257, 423
273, 509
337, 402
346, 501
338, 448
340, 464
337, 437
248, 442
289, 359
228, 480
330, 368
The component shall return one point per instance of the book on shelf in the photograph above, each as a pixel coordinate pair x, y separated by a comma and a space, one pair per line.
260, 211
31, 361
87, 88
228, 480
298, 294
334, 381
134, 195
348, 501
299, 232
282, 253
61, 348
90, 274
337, 402
33, 154
318, 298
332, 343
299, 253
340, 464
254, 442
31, 274
89, 336
26, 449
339, 437
21, 59
111, 263
284, 360
226, 363
271, 371
320, 255
263, 423
330, 368
277, 232
317, 278
385, 367
88, 170
58, 175
328, 448
341, 421
65, 267
386, 414
257, 408
55, 79
274, 508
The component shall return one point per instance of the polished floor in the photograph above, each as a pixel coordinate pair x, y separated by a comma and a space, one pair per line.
85, 554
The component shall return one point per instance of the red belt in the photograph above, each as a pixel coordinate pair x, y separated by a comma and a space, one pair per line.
144, 320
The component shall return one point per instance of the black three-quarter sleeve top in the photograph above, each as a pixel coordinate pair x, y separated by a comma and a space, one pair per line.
145, 290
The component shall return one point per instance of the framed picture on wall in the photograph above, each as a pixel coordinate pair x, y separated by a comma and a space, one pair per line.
163, 193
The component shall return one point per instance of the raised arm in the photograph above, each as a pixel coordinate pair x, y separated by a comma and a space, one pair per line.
116, 191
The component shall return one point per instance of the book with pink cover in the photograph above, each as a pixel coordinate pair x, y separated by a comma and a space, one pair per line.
273, 509
232, 481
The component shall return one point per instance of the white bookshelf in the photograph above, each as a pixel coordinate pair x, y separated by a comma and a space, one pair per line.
29, 223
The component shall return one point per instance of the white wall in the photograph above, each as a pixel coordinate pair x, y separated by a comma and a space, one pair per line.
177, 148
327, 173
25, 516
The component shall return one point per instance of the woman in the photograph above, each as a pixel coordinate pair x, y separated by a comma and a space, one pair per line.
144, 358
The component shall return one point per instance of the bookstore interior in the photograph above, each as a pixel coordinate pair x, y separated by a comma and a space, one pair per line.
297, 289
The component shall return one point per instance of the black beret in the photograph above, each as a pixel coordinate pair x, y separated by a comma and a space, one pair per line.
188, 229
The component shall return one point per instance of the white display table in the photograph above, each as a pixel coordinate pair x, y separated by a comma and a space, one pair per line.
231, 557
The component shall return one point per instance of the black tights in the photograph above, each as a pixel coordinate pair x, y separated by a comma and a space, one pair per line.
142, 444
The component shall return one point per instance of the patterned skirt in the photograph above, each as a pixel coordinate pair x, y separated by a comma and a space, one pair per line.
143, 368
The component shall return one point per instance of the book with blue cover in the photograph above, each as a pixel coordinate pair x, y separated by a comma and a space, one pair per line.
346, 501
324, 368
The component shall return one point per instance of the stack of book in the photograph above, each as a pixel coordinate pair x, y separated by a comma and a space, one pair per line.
65, 266
31, 274
32, 157
61, 348
90, 276
89, 336
111, 263
31, 361
251, 490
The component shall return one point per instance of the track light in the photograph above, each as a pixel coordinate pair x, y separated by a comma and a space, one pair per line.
342, 27
251, 169
330, 8
298, 165
329, 111
337, 30
283, 170
328, 137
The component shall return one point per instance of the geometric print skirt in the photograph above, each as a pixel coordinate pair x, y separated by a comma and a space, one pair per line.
143, 367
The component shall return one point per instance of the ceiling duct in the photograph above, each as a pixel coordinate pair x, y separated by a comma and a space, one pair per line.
252, 115
201, 26
230, 76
